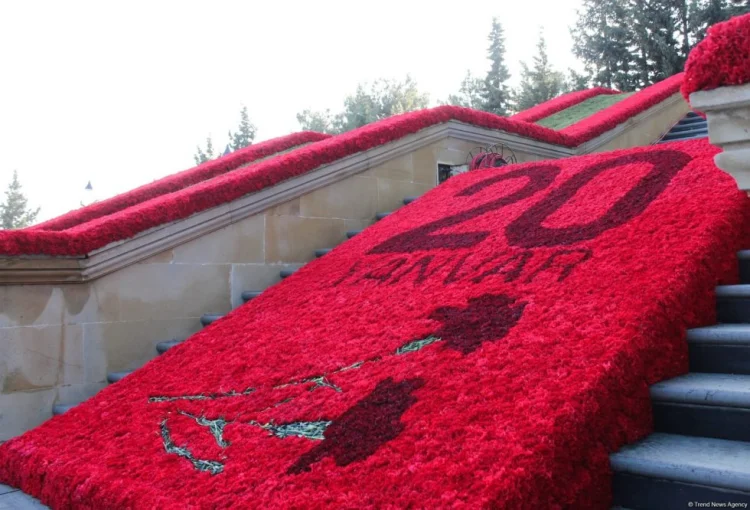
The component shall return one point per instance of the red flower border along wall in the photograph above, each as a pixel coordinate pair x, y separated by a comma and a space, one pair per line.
721, 59
82, 238
181, 180
486, 346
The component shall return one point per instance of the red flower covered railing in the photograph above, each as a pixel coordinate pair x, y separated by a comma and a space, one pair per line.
721, 59
210, 185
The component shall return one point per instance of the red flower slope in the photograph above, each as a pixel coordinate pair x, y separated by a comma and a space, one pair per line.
149, 210
721, 59
485, 346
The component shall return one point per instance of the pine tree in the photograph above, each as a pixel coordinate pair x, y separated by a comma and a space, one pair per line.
471, 94
379, 100
629, 44
660, 50
245, 133
496, 93
491, 94
202, 156
321, 122
603, 40
704, 13
540, 83
15, 213
577, 81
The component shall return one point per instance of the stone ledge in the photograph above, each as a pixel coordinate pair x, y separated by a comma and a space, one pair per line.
727, 111
721, 98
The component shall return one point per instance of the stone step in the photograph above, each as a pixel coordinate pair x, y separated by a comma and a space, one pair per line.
286, 273
61, 409
692, 118
210, 318
690, 128
678, 128
382, 215
163, 347
733, 303
409, 200
322, 251
250, 294
694, 121
352, 233
705, 405
743, 257
684, 135
114, 377
665, 140
722, 348
667, 471
693, 115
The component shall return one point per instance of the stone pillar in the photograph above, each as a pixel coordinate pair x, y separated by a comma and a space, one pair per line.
727, 110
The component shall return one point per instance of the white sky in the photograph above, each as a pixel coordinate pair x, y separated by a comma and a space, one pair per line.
121, 93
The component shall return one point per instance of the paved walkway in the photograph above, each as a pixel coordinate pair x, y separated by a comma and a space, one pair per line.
13, 499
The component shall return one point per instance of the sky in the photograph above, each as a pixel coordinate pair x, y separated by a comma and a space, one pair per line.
120, 93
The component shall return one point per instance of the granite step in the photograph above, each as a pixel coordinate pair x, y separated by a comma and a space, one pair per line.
250, 294
210, 318
670, 472
114, 377
286, 273
688, 134
61, 409
704, 405
692, 121
163, 347
743, 258
687, 127
733, 303
721, 349
665, 140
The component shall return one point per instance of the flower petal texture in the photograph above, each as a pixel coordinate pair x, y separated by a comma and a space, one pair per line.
721, 59
485, 346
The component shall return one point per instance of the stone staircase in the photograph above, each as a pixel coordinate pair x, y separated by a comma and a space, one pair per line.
209, 318
700, 451
690, 127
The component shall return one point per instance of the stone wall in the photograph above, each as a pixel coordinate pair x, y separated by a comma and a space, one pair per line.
58, 342
640, 133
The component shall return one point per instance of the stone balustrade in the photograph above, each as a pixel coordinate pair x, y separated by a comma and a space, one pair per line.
727, 110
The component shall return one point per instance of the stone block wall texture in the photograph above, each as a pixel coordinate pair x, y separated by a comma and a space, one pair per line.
638, 134
58, 342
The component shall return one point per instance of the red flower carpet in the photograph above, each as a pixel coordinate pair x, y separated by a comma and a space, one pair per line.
487, 345
224, 180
